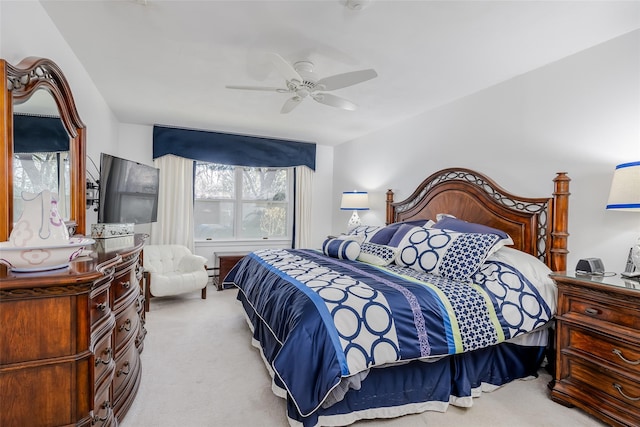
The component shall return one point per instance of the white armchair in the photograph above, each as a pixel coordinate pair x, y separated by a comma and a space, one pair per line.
173, 270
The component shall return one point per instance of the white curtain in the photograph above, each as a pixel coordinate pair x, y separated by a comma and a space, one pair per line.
304, 183
175, 202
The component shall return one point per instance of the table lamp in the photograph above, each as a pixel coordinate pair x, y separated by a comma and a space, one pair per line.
354, 201
625, 196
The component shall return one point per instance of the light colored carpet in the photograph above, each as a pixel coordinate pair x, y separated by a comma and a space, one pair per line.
200, 370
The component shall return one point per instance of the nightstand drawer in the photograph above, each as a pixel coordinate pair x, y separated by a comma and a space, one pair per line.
622, 355
596, 308
612, 388
598, 347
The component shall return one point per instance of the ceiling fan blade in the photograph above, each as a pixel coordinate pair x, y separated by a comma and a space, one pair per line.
334, 101
290, 104
284, 67
346, 79
268, 89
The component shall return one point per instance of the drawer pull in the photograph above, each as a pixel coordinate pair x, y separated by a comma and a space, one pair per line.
624, 359
122, 371
592, 311
126, 284
107, 408
619, 388
109, 357
126, 326
102, 307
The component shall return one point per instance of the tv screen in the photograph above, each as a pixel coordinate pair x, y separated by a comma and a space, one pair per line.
128, 191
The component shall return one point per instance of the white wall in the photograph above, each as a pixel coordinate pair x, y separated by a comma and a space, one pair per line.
26, 30
580, 115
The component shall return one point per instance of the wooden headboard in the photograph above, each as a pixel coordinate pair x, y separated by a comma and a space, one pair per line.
538, 226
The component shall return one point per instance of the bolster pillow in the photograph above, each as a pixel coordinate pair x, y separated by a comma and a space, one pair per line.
341, 249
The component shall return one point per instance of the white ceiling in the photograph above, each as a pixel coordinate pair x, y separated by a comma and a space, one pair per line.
167, 62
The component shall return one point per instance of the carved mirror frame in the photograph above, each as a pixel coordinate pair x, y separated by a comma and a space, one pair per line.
18, 84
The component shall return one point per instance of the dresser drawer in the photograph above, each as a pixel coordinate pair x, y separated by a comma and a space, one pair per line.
600, 309
104, 358
99, 306
127, 370
123, 284
103, 409
127, 326
620, 354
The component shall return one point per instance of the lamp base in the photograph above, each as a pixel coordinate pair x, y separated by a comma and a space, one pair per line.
354, 221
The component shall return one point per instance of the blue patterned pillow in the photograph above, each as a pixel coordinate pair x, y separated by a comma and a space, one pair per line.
455, 224
450, 254
341, 249
402, 231
377, 254
366, 232
384, 235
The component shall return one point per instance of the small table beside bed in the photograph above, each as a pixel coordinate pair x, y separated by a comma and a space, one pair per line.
451, 298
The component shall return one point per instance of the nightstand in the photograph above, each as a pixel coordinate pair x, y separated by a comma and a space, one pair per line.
598, 347
226, 261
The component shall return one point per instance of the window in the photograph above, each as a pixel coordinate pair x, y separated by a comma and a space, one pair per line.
234, 202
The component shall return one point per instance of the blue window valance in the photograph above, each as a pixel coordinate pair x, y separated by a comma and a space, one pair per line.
232, 149
39, 134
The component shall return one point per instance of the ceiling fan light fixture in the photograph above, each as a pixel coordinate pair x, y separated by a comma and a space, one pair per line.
302, 82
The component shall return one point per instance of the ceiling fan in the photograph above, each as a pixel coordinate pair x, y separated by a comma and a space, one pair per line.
302, 82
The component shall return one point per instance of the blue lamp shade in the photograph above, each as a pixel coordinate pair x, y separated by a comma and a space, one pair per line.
625, 188
354, 201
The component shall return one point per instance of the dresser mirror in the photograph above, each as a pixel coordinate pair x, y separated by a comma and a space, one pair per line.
43, 142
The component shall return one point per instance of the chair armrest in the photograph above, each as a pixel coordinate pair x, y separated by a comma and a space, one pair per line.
192, 263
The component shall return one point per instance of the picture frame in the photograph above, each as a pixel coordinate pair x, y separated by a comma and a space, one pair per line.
630, 266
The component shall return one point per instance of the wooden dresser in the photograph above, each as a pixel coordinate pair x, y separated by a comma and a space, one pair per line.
598, 347
70, 341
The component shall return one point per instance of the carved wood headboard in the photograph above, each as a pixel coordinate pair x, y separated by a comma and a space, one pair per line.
538, 226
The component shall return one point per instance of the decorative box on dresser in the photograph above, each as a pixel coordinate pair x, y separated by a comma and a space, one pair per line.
598, 347
70, 340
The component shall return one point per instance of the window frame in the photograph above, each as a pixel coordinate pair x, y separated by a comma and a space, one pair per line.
238, 203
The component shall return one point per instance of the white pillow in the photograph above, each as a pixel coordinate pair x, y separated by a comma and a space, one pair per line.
531, 267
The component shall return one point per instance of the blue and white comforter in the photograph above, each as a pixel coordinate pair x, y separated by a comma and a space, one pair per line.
320, 319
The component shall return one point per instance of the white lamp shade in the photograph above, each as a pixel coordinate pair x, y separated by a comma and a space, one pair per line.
355, 201
625, 188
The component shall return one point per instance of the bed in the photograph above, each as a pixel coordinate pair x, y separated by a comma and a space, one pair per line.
449, 299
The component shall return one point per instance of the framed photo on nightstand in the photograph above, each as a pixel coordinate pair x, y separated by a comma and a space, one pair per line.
630, 269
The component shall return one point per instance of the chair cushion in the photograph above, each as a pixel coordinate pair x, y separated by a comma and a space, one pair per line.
174, 269
175, 283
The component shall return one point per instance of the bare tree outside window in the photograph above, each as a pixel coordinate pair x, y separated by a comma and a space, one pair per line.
241, 202
36, 172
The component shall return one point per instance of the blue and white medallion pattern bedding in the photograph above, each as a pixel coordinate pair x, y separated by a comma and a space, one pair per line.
321, 320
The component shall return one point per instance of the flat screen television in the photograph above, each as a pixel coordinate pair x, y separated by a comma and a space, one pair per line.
128, 191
